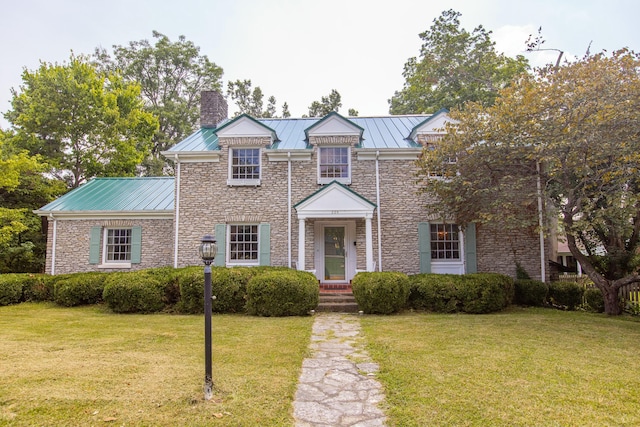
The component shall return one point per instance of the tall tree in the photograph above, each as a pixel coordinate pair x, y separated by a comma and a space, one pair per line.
251, 100
82, 122
575, 129
172, 75
326, 105
454, 66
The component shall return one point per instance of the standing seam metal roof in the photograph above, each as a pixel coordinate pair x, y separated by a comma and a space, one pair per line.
387, 132
117, 194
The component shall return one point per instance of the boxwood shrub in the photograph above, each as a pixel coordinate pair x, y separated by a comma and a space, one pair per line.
381, 292
38, 287
134, 292
10, 289
79, 289
282, 293
433, 292
594, 300
567, 295
531, 292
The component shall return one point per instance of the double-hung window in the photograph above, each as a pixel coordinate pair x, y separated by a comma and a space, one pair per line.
244, 166
445, 242
243, 244
334, 164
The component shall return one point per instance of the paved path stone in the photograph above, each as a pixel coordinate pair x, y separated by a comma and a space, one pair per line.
337, 386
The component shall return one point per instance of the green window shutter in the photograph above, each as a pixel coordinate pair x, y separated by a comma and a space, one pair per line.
264, 233
221, 238
136, 244
424, 243
470, 248
94, 245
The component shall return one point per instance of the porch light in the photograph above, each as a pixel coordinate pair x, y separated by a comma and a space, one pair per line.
208, 249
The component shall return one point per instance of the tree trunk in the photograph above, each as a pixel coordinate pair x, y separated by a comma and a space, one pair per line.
612, 304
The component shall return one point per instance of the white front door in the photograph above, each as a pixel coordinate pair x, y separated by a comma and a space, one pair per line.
335, 252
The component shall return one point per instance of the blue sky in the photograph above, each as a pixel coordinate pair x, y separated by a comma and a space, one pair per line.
299, 50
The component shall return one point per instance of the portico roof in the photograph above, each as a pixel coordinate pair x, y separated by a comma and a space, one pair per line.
335, 200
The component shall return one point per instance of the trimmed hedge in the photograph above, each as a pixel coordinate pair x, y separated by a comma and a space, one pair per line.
567, 295
10, 289
282, 293
79, 289
380, 292
134, 292
594, 300
471, 293
531, 292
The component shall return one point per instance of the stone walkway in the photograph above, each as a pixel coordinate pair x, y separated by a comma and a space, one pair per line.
337, 386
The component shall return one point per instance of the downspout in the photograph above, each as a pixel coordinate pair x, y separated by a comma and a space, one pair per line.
289, 207
53, 244
543, 272
177, 214
378, 203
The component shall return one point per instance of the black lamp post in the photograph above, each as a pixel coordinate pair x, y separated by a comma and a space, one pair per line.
208, 250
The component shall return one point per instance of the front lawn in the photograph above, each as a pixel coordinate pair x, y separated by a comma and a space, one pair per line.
88, 366
521, 367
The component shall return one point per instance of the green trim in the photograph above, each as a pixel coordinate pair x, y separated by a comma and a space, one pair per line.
221, 238
246, 116
424, 245
414, 131
136, 244
328, 116
326, 187
264, 236
470, 258
94, 245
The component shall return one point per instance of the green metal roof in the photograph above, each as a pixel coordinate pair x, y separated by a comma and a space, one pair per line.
116, 195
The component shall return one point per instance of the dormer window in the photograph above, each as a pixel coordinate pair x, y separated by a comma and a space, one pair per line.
244, 166
334, 164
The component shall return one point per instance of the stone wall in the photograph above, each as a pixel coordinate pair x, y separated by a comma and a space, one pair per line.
73, 239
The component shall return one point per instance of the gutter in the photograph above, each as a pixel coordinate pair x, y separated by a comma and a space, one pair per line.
177, 214
378, 203
53, 244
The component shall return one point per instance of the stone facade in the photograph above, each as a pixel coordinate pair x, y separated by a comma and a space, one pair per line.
73, 241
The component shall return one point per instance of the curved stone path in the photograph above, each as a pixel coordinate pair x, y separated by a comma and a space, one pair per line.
337, 386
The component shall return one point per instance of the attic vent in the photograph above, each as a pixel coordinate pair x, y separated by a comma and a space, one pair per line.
428, 140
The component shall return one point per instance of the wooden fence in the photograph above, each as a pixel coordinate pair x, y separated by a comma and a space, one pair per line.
627, 293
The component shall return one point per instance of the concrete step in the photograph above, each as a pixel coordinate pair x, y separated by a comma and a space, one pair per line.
337, 303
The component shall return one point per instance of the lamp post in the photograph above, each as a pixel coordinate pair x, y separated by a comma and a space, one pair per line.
208, 250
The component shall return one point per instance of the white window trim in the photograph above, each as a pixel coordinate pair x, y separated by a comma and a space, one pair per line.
228, 260
347, 180
450, 261
106, 264
244, 182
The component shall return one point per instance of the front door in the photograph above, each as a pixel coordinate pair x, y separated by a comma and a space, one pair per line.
335, 251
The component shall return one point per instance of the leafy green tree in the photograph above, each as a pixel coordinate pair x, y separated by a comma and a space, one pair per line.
454, 66
251, 101
172, 75
326, 105
83, 123
575, 130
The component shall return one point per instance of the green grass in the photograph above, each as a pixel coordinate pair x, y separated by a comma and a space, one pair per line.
523, 367
87, 366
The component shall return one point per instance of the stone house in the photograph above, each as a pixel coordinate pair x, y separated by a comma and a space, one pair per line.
333, 195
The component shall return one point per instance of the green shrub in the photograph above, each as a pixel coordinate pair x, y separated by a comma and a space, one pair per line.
282, 293
485, 292
228, 285
38, 287
433, 292
566, 294
79, 289
594, 300
10, 289
530, 292
381, 292
134, 292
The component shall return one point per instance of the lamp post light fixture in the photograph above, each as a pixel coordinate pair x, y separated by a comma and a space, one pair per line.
208, 250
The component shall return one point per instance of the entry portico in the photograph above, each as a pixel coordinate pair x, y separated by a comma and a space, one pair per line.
335, 208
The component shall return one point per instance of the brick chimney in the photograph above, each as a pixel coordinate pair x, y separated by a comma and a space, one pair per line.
213, 108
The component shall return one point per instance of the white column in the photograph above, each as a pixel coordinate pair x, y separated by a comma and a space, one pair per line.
301, 244
369, 243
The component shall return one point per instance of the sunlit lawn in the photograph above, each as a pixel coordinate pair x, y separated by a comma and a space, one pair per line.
86, 366
523, 367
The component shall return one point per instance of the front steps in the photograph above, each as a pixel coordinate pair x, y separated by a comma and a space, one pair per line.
337, 298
